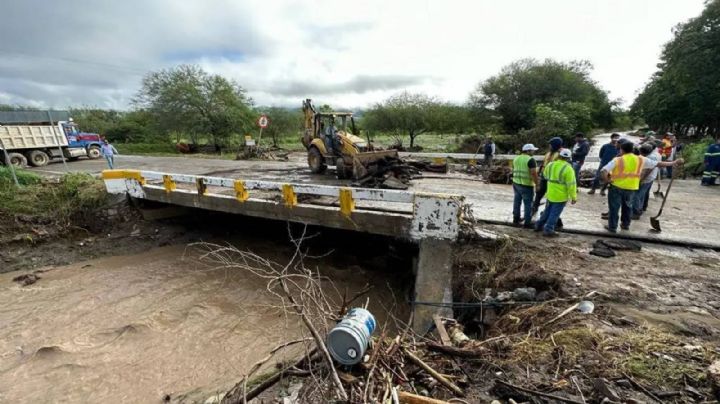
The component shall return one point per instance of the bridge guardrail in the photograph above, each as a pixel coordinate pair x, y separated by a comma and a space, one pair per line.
433, 215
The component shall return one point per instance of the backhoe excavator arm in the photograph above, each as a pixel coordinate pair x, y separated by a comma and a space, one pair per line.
309, 112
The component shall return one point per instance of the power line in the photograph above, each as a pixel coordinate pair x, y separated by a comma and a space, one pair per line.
77, 61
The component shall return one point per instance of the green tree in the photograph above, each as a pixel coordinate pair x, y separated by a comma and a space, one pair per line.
684, 95
283, 122
551, 122
188, 99
514, 93
136, 127
414, 114
96, 120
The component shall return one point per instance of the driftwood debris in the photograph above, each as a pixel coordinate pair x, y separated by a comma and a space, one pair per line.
409, 398
444, 337
538, 393
432, 372
237, 394
455, 351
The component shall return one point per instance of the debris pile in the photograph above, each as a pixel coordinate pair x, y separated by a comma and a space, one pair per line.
606, 248
554, 347
498, 172
587, 176
387, 172
261, 153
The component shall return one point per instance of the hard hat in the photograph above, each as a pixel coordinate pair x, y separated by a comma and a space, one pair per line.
565, 153
529, 147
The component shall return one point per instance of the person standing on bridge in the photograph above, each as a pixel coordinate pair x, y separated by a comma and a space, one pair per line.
642, 197
668, 151
488, 151
608, 151
561, 188
624, 175
579, 152
525, 178
109, 151
712, 164
556, 144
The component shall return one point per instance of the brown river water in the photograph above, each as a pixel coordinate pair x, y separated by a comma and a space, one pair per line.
132, 329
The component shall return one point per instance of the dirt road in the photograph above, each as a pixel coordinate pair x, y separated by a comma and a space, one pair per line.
691, 215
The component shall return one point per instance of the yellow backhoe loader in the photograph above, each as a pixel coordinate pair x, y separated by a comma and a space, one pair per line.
330, 141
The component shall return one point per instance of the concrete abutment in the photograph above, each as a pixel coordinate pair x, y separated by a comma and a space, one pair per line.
433, 283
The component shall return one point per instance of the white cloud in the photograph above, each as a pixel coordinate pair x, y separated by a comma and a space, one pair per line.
342, 53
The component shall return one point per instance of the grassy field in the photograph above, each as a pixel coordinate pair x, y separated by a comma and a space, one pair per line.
428, 142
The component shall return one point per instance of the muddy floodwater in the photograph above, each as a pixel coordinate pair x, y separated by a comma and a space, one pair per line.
136, 328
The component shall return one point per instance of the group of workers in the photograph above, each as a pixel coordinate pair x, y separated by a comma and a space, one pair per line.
627, 171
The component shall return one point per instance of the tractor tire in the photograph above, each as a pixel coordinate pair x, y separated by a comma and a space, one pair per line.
17, 159
93, 152
38, 158
341, 169
316, 161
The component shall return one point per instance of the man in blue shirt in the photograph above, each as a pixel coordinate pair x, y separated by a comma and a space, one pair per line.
109, 152
607, 152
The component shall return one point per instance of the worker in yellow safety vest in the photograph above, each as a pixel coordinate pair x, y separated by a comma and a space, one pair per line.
525, 179
553, 154
624, 174
561, 188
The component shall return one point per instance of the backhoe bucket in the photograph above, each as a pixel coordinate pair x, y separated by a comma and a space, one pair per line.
362, 160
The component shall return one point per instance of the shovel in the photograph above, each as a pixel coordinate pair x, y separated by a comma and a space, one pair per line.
654, 222
658, 192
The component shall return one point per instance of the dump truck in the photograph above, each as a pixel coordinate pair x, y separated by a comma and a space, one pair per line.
330, 140
34, 138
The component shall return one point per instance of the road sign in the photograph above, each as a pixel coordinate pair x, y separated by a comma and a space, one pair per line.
263, 121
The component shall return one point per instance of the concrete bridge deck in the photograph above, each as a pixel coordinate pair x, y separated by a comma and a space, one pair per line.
691, 215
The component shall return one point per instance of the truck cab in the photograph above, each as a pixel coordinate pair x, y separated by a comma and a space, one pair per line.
91, 142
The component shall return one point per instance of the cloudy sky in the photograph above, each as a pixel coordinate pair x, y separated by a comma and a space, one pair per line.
351, 54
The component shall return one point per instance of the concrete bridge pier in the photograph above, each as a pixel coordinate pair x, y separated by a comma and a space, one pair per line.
433, 283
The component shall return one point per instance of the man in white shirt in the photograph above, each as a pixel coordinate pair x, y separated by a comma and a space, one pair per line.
642, 197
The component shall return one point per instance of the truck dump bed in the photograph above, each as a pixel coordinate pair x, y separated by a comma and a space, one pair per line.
18, 137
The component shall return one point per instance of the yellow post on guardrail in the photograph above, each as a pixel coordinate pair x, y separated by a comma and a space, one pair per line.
289, 195
240, 192
168, 183
122, 175
347, 203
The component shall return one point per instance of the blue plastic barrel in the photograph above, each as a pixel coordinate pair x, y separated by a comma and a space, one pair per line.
349, 339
